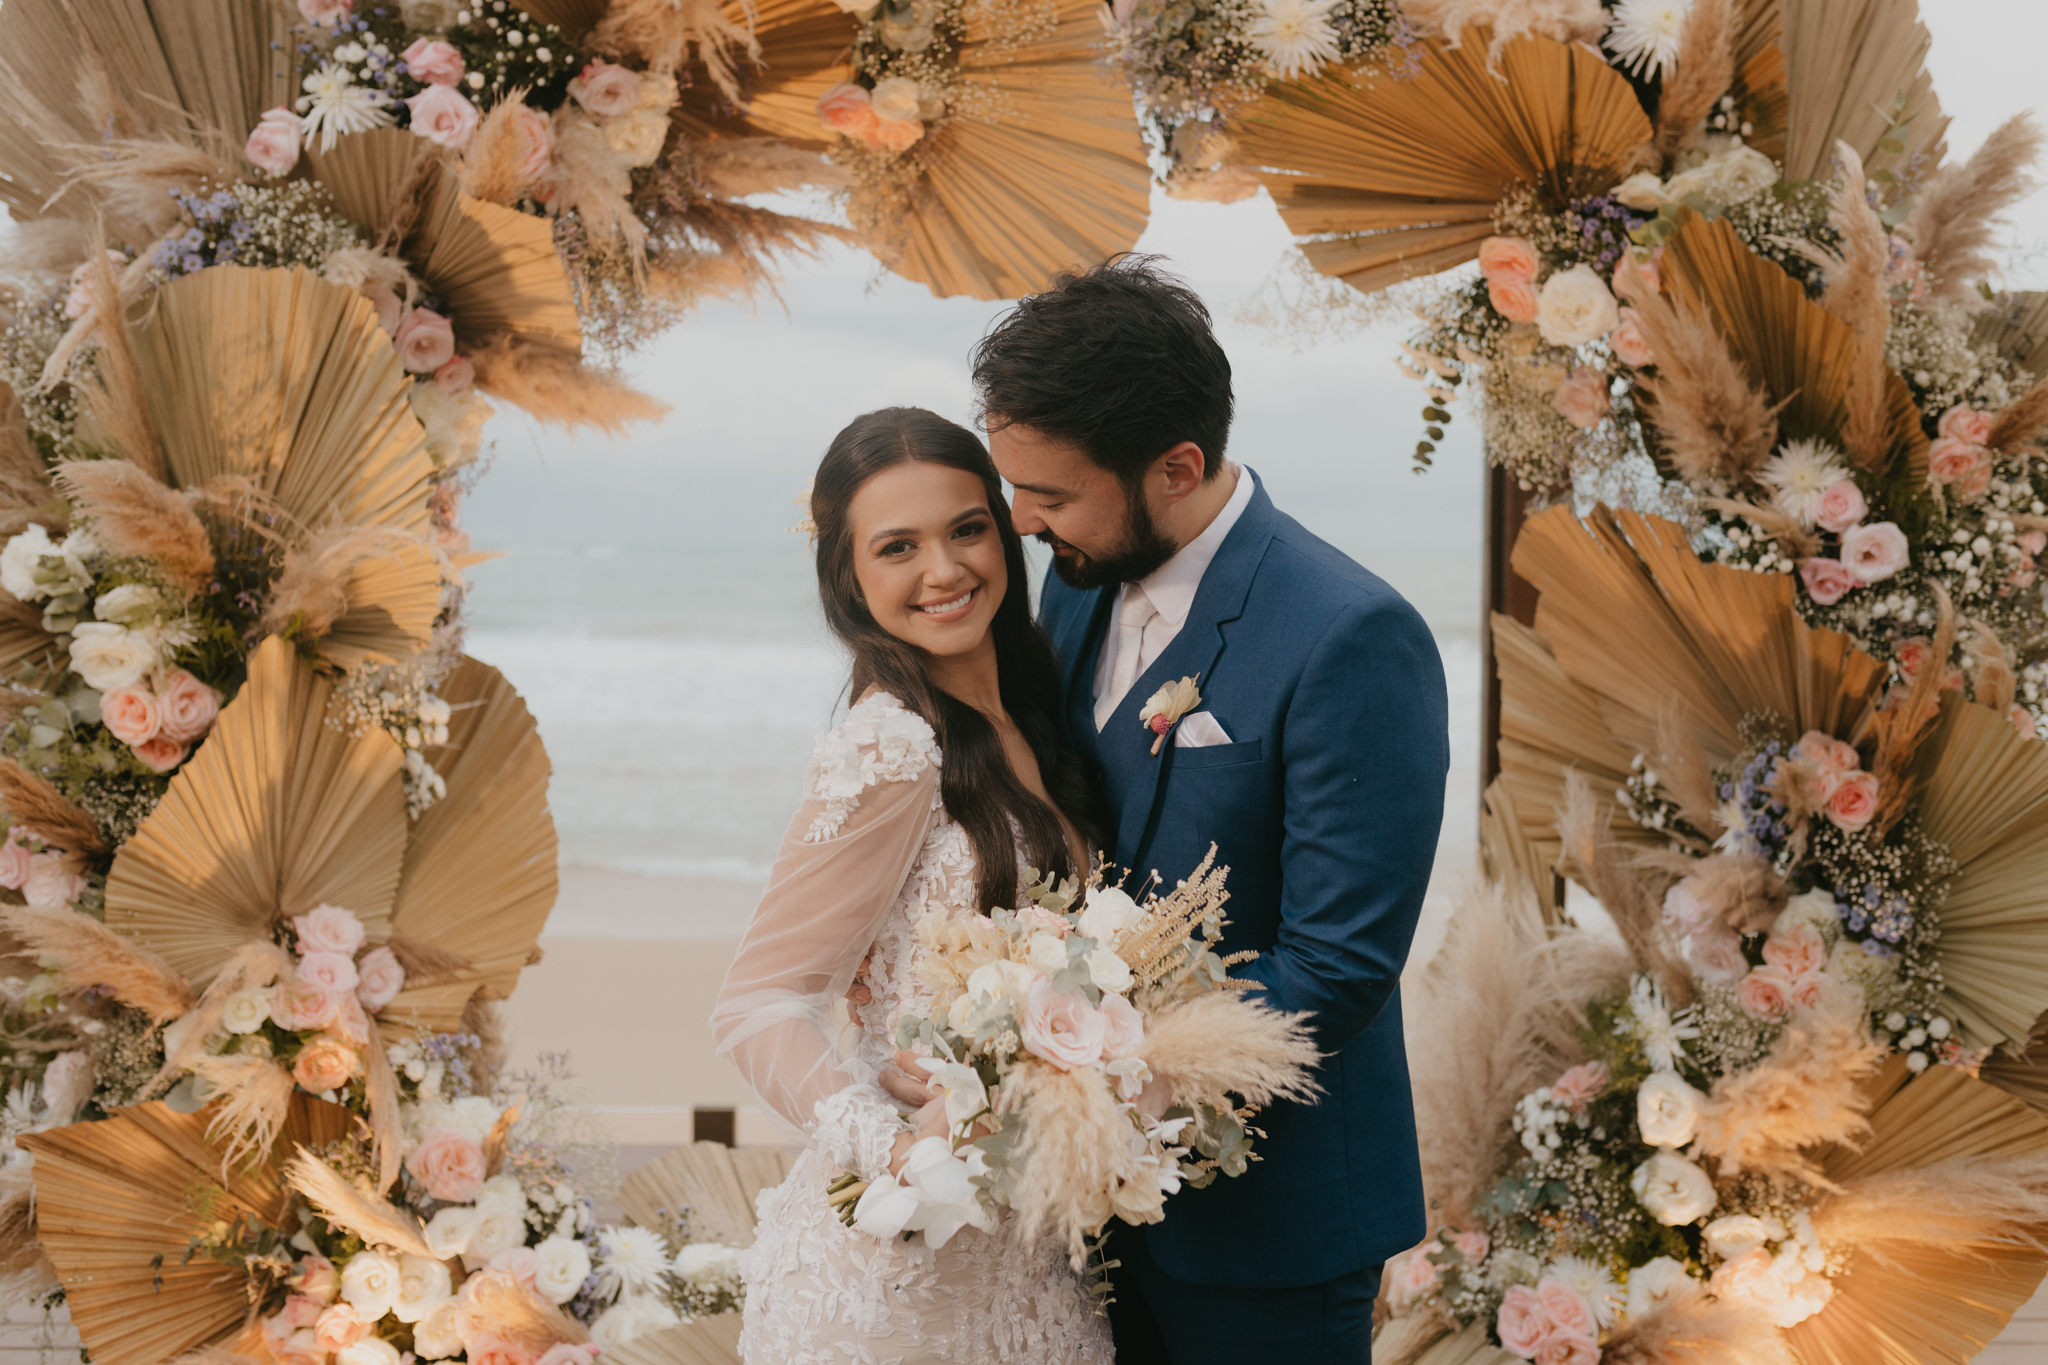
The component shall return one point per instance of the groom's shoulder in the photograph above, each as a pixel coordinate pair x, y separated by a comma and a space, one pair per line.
1308, 571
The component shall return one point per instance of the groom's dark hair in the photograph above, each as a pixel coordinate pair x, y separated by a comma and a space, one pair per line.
1118, 361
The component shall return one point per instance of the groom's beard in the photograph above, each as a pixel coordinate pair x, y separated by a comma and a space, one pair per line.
1145, 547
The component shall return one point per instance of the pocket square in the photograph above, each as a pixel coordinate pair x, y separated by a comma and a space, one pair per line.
1198, 730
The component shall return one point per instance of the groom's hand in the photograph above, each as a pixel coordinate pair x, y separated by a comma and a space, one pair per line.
908, 1083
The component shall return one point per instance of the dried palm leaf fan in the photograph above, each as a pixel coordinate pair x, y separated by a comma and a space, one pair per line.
394, 598
479, 872
716, 1183
1410, 171
804, 49
574, 17
1408, 1339
1846, 62
1791, 346
280, 811
1759, 87
705, 1341
72, 72
1508, 855
496, 266
117, 1204
2018, 328
1903, 1301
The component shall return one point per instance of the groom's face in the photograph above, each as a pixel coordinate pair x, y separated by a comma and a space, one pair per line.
1099, 532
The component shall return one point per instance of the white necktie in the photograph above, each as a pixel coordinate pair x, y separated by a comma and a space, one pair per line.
1137, 613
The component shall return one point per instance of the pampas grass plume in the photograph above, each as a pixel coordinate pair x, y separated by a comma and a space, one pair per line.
1713, 422
1567, 21
1221, 1044
250, 1099
1805, 1093
1955, 216
1960, 1207
1077, 1134
1689, 1328
1590, 847
35, 807
2020, 422
90, 954
1701, 74
557, 388
664, 34
311, 591
135, 515
493, 165
375, 1221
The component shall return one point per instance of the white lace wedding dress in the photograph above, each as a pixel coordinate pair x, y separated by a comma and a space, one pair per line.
869, 852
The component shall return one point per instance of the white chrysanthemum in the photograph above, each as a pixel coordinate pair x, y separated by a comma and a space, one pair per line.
1295, 37
1662, 1036
333, 105
1643, 34
634, 1260
1797, 476
1592, 1280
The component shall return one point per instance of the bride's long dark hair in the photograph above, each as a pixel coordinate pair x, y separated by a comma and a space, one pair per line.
979, 788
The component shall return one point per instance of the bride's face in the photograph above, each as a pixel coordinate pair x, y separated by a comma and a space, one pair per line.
928, 556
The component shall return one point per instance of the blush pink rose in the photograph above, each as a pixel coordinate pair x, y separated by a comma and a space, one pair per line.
1631, 348
1508, 259
1038, 917
299, 1348
540, 142
1567, 1348
350, 1021
380, 979
14, 864
316, 1278
489, 1348
1807, 990
329, 972
328, 929
1826, 580
1582, 399
1123, 1028
1854, 802
568, 1353
1522, 1323
300, 1007
458, 376
1841, 506
1061, 1026
449, 1165
1514, 300
339, 1327
1581, 1085
187, 706
1796, 950
131, 714
1716, 951
2023, 721
432, 63
894, 135
325, 1063
1950, 461
846, 109
1912, 654
389, 307
605, 89
1414, 1275
519, 1262
1965, 424
2033, 542
1975, 484
1827, 754
300, 1311
50, 883
1745, 1277
326, 12
442, 116
1566, 1308
274, 142
425, 341
162, 753
1765, 994
1473, 1246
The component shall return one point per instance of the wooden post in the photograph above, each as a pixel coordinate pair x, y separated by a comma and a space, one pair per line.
1503, 591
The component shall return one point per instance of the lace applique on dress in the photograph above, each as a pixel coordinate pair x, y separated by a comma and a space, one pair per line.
879, 741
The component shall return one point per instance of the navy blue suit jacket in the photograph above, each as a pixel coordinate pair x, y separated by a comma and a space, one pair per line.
1326, 807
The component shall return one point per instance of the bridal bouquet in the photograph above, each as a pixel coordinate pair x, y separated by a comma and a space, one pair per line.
1089, 1047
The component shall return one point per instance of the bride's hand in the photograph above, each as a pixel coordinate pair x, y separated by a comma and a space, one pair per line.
930, 1121
908, 1083
858, 993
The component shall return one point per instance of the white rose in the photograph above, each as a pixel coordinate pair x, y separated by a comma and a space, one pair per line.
630, 1319
1005, 981
126, 604
108, 656
1652, 1282
1816, 909
369, 1283
1675, 1191
423, 1285
454, 421
1643, 190
1576, 307
1047, 953
368, 1351
1729, 178
708, 1264
1668, 1110
1875, 977
1109, 971
245, 1011
895, 99
561, 1266
476, 1116
439, 1335
1109, 912
1729, 1237
19, 560
502, 1192
638, 137
450, 1231
497, 1229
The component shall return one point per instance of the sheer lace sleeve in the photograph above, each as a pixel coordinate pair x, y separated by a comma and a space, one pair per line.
869, 801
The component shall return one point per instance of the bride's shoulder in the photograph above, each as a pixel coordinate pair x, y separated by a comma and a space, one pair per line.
880, 740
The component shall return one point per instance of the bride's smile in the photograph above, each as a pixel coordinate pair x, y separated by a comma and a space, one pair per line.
930, 566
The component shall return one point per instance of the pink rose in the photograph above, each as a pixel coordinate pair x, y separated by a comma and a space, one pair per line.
1827, 754
1578, 1087
1746, 1277
458, 376
425, 341
1510, 260
1762, 994
1807, 990
518, 1262
130, 714
449, 1165
606, 90
1951, 462
1566, 1308
1965, 424
330, 972
1061, 1026
328, 929
273, 143
50, 883
1631, 348
1582, 399
540, 142
442, 116
846, 109
1414, 1275
389, 307
1473, 1246
14, 865
350, 1021
186, 705
300, 1311
339, 1328
1975, 484
1854, 802
1826, 580
1912, 655
299, 1348
1123, 1028
1522, 1323
326, 12
491, 1349
1841, 506
1796, 950
380, 979
894, 135
1038, 917
2033, 542
300, 1007
162, 753
324, 1064
2023, 721
1514, 300
1567, 1348
316, 1278
432, 63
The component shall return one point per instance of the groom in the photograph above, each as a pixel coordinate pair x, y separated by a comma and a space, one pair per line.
1314, 760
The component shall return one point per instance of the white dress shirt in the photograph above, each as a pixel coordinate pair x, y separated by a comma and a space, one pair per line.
1171, 588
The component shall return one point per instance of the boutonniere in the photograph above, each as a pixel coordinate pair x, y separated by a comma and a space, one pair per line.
1165, 708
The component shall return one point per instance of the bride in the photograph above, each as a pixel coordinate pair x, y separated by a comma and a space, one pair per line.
948, 776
